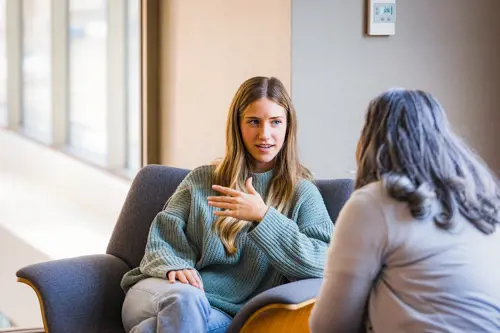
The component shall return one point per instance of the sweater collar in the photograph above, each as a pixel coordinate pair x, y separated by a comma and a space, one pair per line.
261, 180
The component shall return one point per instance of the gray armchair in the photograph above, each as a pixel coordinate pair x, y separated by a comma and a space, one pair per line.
83, 294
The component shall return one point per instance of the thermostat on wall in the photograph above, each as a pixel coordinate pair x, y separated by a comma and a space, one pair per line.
381, 17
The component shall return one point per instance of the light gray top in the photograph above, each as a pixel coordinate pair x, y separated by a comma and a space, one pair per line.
410, 275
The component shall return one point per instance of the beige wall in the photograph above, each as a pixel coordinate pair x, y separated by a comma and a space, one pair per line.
448, 47
208, 48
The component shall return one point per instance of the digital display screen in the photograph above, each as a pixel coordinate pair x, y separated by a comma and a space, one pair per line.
384, 10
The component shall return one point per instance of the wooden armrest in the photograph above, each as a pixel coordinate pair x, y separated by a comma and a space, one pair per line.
42, 310
280, 318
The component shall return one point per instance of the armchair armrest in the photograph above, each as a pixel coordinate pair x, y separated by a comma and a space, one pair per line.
80, 294
290, 296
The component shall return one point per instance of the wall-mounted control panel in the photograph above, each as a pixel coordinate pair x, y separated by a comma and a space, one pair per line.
381, 17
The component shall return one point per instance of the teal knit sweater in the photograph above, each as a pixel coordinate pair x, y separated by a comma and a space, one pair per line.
277, 249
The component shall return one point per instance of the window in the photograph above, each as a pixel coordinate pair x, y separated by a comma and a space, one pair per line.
77, 64
3, 65
133, 87
104, 68
36, 70
87, 79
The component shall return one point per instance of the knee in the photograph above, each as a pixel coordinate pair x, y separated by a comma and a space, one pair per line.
184, 297
138, 306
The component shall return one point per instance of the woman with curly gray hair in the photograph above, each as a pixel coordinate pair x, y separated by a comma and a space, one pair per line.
416, 248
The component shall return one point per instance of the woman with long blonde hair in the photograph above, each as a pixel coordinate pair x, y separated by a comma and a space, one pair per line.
232, 230
417, 246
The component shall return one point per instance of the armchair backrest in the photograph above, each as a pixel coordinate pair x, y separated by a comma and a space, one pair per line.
152, 187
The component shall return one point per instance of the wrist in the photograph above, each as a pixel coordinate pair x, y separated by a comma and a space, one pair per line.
263, 212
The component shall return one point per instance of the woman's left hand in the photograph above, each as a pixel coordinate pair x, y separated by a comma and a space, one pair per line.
242, 206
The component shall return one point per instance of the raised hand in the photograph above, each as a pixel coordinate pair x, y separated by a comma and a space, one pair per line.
240, 205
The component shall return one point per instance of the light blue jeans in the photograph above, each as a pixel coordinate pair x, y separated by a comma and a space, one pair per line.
157, 306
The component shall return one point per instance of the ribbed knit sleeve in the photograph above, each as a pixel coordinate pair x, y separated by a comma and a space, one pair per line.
168, 247
297, 247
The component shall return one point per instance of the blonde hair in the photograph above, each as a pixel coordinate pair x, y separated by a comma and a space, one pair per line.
234, 169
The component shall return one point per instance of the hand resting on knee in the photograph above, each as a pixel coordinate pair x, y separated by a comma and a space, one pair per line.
187, 276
